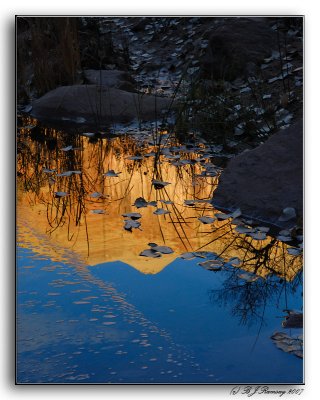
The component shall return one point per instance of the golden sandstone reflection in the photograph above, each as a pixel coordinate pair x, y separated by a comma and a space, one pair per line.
89, 221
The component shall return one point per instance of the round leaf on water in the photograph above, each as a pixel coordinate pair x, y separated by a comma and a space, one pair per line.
248, 277
222, 216
234, 261
258, 235
60, 194
284, 232
161, 211
163, 249
243, 229
166, 201
140, 202
69, 173
132, 215
206, 220
212, 264
294, 251
159, 184
236, 213
287, 214
263, 229
150, 253
68, 148
187, 256
284, 238
279, 336
189, 202
96, 195
130, 224
48, 171
111, 174
205, 254
98, 211
135, 158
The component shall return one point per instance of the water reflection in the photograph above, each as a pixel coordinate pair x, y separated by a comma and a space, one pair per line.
75, 188
110, 323
248, 299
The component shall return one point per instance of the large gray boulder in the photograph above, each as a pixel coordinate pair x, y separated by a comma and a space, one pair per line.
237, 46
97, 104
264, 181
112, 78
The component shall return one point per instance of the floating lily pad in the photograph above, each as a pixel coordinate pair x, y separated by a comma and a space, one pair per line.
235, 261
205, 254
163, 249
248, 277
284, 238
244, 229
207, 220
135, 158
150, 253
130, 224
284, 232
98, 211
96, 195
161, 211
258, 235
236, 213
133, 216
111, 173
189, 202
166, 201
288, 344
68, 148
222, 216
48, 171
66, 173
61, 194
140, 202
288, 214
187, 256
159, 184
69, 173
212, 265
263, 229
152, 203
294, 251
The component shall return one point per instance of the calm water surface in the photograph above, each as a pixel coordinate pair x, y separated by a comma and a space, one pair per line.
111, 323
90, 309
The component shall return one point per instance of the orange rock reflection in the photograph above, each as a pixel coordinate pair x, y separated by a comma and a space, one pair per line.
91, 224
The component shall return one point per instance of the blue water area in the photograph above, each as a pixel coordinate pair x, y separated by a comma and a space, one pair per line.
112, 324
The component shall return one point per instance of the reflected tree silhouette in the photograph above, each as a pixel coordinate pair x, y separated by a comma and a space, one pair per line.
249, 298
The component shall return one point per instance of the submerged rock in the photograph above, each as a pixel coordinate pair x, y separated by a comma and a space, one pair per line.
265, 181
98, 105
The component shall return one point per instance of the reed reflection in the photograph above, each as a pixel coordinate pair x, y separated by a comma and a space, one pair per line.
76, 188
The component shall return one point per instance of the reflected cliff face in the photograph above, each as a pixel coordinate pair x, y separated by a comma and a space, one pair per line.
74, 190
